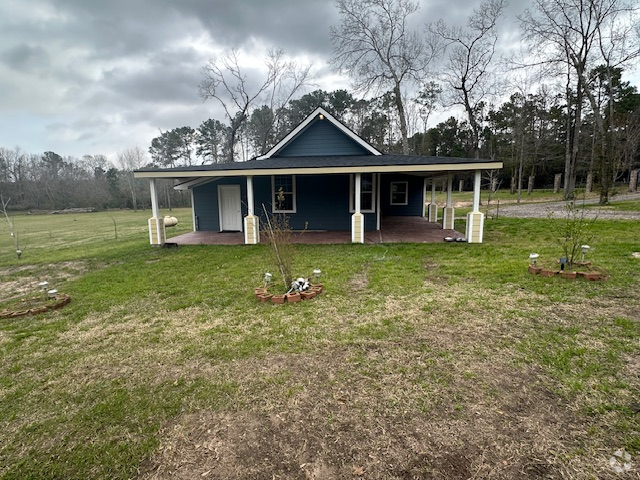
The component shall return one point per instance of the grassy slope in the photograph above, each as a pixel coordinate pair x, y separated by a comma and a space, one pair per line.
153, 335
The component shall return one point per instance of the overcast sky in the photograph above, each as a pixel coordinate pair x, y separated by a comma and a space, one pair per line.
97, 76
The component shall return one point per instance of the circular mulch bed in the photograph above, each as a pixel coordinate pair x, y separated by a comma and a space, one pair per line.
55, 303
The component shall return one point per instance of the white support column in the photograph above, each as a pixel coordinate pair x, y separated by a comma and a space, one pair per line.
378, 195
433, 207
193, 211
157, 232
251, 222
424, 198
448, 212
475, 219
357, 219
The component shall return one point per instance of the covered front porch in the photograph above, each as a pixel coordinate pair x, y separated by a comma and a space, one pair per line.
392, 230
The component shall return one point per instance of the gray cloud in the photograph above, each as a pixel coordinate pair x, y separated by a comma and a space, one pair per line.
26, 58
96, 76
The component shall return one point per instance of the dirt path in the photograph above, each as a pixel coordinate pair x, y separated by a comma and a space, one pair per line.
556, 209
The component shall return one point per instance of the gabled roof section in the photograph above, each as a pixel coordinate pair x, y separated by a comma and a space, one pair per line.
319, 115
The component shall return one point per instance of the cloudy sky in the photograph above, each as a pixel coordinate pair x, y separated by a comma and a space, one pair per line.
97, 76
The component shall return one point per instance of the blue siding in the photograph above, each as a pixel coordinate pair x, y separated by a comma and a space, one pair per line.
415, 186
322, 202
321, 138
205, 202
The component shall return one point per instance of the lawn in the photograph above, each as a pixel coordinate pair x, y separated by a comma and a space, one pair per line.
419, 361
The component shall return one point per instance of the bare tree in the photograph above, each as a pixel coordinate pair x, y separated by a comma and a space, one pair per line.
129, 160
375, 46
580, 35
226, 81
12, 230
468, 75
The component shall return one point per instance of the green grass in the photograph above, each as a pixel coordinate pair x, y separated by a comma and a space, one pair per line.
402, 331
622, 206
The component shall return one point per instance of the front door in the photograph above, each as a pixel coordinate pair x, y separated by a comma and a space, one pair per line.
229, 203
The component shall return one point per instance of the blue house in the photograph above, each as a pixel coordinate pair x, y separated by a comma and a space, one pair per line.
325, 178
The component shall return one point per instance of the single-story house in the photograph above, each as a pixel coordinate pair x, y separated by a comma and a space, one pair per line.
324, 177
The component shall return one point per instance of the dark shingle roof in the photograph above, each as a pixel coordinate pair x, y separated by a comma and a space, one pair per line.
325, 162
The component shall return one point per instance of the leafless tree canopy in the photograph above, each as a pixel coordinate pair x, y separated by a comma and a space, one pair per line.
225, 81
374, 45
467, 74
582, 35
129, 160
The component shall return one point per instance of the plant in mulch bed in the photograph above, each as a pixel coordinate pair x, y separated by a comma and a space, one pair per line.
573, 232
277, 230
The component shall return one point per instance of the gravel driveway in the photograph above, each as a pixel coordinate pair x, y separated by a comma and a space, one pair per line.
542, 210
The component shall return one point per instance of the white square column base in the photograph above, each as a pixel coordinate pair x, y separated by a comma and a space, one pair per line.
157, 232
251, 230
475, 227
432, 210
357, 228
448, 218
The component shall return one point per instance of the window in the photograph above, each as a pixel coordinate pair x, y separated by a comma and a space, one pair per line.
367, 193
283, 194
399, 193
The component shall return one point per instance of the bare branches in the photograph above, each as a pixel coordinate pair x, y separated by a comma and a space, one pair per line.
12, 231
226, 81
375, 47
582, 36
470, 52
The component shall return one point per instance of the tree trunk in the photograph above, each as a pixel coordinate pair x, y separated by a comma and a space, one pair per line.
589, 186
403, 120
532, 179
557, 182
461, 185
633, 180
513, 185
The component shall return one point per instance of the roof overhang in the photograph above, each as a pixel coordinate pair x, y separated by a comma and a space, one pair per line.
198, 176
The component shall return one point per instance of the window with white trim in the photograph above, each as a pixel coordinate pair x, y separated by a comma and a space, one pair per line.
367, 193
283, 194
399, 193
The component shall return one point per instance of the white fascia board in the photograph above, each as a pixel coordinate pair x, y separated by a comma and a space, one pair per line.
306, 122
438, 169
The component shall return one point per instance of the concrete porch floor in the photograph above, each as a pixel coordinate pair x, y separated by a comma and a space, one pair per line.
393, 230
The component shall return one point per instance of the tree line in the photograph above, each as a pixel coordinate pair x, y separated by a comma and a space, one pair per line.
568, 110
557, 107
48, 181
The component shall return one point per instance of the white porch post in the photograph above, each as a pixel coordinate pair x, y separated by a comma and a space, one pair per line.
433, 208
357, 219
378, 194
193, 211
475, 219
424, 198
156, 222
448, 212
251, 222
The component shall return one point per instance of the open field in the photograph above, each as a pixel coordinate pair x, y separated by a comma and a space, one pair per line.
419, 361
